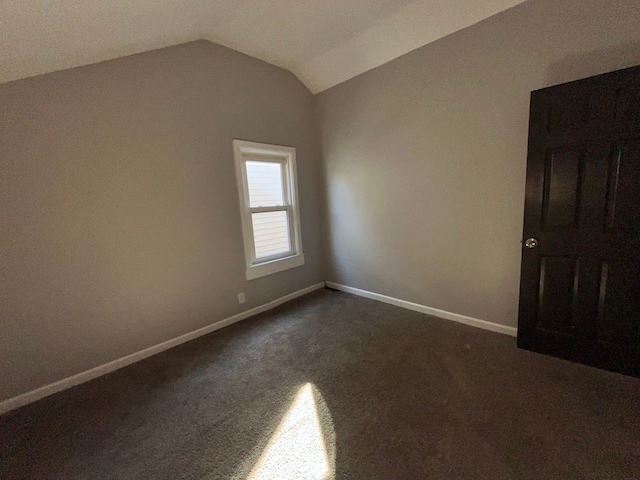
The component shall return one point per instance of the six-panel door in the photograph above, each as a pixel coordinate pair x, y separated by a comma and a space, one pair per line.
580, 283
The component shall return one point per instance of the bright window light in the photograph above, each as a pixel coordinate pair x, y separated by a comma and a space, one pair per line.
268, 194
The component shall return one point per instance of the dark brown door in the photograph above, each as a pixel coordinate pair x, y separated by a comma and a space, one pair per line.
580, 281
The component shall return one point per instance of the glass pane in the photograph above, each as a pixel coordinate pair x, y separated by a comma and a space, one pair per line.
271, 233
265, 184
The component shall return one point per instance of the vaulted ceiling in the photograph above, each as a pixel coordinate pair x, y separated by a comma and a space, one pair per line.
323, 42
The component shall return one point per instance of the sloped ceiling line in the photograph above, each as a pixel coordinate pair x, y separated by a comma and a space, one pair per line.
323, 42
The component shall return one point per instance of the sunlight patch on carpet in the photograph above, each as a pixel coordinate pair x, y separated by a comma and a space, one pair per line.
297, 449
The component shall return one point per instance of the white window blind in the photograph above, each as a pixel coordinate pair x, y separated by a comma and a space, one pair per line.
271, 233
265, 184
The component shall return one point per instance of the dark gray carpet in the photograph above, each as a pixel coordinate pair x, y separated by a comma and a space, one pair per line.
400, 395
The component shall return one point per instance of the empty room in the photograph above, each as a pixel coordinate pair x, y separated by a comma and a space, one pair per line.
321, 239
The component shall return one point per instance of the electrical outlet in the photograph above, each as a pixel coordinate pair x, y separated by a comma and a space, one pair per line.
241, 298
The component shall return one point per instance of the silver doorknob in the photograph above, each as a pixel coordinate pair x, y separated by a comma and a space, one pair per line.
531, 243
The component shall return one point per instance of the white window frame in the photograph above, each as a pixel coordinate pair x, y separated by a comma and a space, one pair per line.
244, 151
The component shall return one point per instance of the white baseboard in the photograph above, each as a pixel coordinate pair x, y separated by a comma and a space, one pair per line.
50, 389
456, 317
82, 377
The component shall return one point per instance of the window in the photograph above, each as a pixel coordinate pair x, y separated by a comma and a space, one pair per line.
266, 177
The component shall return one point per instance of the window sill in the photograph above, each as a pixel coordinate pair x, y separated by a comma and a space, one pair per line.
274, 266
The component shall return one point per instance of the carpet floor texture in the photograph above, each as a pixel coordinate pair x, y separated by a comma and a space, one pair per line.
333, 386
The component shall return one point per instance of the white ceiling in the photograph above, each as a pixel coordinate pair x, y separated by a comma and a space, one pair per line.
323, 42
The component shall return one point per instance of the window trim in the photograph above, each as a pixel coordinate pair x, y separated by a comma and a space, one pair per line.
244, 151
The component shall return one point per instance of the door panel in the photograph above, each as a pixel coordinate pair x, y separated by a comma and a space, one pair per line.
618, 304
557, 294
563, 177
567, 112
628, 103
580, 281
624, 187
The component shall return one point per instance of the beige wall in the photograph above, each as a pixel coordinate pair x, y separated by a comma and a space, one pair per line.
425, 156
119, 209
